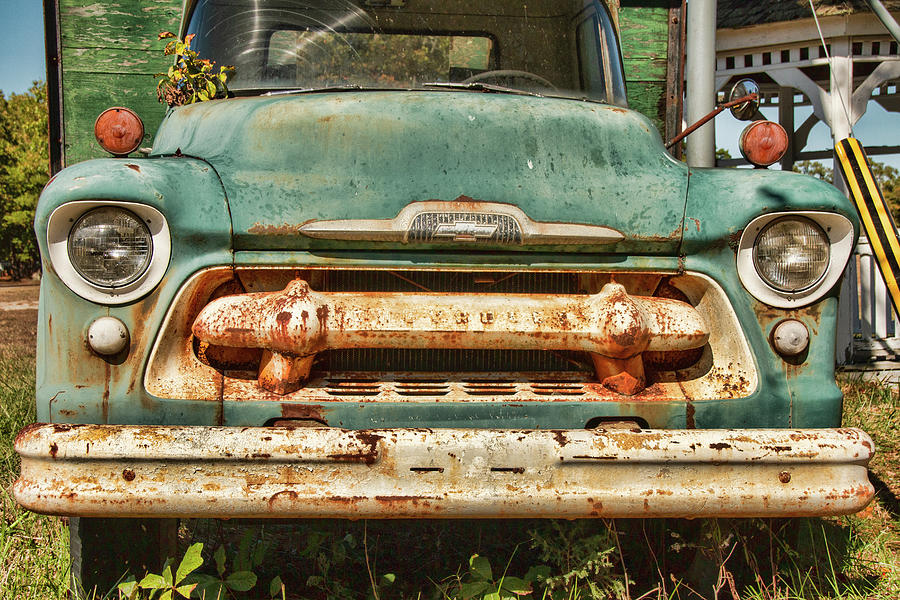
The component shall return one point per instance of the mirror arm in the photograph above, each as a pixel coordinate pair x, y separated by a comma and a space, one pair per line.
708, 117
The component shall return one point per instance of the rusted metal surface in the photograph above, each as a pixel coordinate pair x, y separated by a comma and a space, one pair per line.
295, 324
119, 131
95, 470
462, 220
176, 369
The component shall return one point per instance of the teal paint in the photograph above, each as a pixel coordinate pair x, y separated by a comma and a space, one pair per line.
245, 175
289, 159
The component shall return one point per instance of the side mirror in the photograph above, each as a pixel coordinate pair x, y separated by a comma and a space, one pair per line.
745, 111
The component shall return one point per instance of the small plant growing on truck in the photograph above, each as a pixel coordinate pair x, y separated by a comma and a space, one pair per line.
191, 79
428, 262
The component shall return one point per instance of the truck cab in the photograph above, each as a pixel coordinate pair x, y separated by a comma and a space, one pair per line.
425, 262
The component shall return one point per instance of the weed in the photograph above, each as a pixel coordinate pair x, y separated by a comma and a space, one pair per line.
191, 79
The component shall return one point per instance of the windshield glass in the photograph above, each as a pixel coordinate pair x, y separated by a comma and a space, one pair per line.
550, 47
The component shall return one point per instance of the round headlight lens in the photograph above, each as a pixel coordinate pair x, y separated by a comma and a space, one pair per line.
110, 246
791, 254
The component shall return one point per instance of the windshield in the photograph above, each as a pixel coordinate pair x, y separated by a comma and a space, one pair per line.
550, 47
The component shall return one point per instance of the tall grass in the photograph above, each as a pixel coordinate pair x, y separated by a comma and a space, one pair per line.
34, 549
855, 557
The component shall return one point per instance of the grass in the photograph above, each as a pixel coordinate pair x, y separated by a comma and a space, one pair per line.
856, 557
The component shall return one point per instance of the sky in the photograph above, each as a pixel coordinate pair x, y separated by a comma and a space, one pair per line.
22, 44
22, 61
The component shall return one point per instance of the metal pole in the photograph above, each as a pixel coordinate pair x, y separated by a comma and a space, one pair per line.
701, 80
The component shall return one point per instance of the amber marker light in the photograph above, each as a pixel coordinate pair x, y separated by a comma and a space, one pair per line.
119, 130
763, 143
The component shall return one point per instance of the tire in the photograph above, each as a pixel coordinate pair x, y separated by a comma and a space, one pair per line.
102, 551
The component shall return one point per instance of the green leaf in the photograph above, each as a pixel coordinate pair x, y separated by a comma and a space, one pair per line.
128, 586
259, 551
167, 574
210, 88
215, 590
241, 581
166, 595
185, 590
242, 560
276, 587
388, 578
472, 589
191, 562
537, 573
152, 582
480, 567
492, 596
219, 558
516, 586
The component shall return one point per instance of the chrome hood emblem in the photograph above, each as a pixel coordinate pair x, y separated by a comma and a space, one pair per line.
462, 220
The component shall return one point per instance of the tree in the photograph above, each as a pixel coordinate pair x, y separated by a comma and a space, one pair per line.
887, 177
24, 169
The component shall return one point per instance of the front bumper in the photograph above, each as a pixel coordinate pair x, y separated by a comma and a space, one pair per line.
158, 471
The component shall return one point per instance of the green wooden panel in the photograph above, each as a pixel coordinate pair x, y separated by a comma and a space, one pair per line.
109, 54
644, 27
86, 95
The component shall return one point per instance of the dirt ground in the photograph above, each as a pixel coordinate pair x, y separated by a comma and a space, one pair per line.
18, 318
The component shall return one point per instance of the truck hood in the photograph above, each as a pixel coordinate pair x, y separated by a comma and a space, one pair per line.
287, 160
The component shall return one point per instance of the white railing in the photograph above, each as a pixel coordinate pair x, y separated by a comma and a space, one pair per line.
867, 324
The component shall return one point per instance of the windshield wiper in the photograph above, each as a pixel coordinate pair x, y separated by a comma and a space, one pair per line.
480, 87
330, 88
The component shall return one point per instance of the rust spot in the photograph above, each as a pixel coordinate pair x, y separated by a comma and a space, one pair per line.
311, 412
274, 230
720, 446
689, 416
128, 475
784, 477
367, 456
777, 448
133, 167
53, 449
561, 438
290, 494
734, 240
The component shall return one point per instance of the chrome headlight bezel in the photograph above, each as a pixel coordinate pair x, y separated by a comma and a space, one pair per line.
64, 218
838, 231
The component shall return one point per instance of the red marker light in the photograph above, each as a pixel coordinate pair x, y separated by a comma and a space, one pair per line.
763, 143
119, 131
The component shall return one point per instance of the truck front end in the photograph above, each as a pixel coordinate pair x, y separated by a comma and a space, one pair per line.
427, 263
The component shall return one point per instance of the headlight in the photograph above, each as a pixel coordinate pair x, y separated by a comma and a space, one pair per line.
791, 254
791, 259
108, 251
110, 246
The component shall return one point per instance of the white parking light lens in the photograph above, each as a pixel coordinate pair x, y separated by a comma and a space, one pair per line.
110, 246
791, 254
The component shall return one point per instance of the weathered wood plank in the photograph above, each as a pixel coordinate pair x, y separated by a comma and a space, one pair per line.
86, 95
116, 23
109, 53
113, 61
644, 27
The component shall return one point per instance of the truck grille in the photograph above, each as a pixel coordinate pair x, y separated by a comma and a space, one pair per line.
181, 367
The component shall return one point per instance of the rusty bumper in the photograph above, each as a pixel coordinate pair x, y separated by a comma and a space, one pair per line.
101, 470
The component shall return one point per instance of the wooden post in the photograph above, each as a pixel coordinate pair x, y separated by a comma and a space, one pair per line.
786, 120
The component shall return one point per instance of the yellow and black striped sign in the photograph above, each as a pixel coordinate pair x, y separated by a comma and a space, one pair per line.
873, 211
